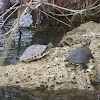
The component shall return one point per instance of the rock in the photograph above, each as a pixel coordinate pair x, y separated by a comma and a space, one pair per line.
79, 36
50, 72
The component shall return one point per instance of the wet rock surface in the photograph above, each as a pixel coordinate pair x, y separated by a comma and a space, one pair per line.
50, 72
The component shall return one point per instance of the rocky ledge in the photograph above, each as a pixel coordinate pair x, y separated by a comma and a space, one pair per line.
50, 72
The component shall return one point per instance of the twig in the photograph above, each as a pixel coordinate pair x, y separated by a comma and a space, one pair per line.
74, 11
63, 14
61, 7
6, 33
8, 17
9, 9
54, 17
94, 7
94, 3
96, 12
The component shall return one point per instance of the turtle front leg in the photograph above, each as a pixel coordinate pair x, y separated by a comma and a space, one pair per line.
92, 58
68, 65
83, 66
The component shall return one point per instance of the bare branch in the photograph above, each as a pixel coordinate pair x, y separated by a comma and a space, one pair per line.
8, 17
13, 7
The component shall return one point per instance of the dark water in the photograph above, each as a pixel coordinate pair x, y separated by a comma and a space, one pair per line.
40, 94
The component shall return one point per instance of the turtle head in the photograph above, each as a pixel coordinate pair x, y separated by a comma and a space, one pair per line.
50, 45
88, 42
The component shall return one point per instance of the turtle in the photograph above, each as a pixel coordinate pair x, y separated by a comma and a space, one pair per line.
35, 52
80, 56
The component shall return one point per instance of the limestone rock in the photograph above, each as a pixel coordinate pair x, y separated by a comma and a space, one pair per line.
50, 72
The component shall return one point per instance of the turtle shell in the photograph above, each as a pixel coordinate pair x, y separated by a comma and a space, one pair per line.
32, 51
80, 55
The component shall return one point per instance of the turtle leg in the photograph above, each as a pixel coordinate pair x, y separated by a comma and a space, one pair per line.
68, 65
75, 64
92, 58
83, 66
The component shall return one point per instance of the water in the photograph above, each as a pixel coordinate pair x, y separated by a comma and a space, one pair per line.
41, 94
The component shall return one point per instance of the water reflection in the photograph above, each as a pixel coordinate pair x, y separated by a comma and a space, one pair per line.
7, 95
40, 94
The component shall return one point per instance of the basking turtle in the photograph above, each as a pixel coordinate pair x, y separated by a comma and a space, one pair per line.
80, 55
35, 52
